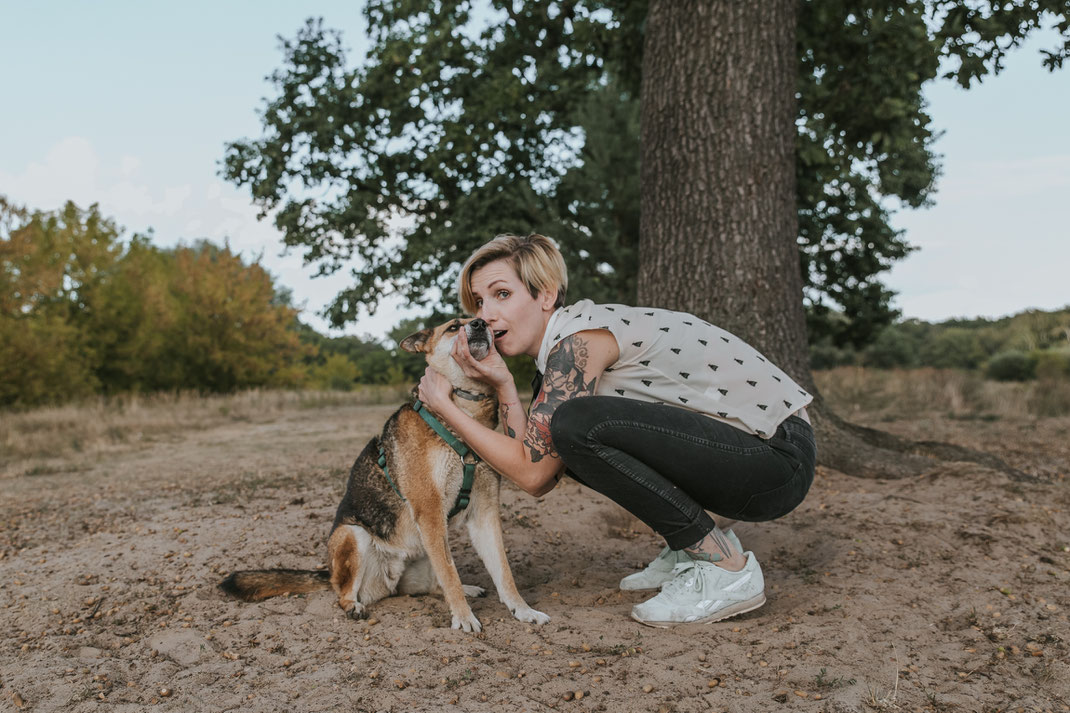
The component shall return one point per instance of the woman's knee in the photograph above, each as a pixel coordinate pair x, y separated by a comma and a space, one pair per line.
572, 421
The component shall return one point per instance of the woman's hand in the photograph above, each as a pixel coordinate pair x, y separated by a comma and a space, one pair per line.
435, 390
492, 369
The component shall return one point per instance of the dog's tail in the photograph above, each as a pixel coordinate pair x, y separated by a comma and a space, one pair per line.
252, 585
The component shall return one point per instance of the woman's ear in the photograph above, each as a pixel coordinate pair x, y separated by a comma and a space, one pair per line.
547, 299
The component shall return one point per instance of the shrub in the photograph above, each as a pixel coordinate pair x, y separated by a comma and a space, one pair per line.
825, 355
893, 348
1052, 364
952, 348
337, 373
1011, 366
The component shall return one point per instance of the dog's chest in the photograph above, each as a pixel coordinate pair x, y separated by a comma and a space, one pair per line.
447, 473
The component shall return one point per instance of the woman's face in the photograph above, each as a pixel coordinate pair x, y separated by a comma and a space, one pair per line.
517, 319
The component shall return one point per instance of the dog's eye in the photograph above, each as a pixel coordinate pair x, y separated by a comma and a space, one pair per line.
453, 328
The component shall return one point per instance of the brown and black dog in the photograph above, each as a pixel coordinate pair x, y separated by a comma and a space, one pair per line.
381, 544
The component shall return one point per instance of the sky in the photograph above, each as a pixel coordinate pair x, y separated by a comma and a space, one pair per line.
130, 105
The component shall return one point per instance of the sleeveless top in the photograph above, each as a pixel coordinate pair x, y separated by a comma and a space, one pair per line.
676, 358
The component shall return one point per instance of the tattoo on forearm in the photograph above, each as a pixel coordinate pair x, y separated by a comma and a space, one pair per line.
505, 421
563, 380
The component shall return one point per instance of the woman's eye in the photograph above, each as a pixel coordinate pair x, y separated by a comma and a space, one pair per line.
502, 294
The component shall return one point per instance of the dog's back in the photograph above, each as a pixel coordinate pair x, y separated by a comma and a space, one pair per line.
369, 502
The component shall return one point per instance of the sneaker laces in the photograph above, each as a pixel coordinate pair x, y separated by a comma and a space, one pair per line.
679, 582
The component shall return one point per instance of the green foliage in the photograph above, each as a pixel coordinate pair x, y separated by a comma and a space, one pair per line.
42, 360
1011, 366
81, 314
530, 123
227, 332
893, 348
466, 134
1018, 347
952, 348
337, 373
1051, 364
826, 355
50, 263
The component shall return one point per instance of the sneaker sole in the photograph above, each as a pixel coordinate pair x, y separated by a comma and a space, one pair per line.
726, 613
651, 588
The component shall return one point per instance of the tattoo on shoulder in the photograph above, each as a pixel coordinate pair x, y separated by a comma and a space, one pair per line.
564, 379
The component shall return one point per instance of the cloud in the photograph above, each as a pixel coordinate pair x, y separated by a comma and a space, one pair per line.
72, 170
140, 196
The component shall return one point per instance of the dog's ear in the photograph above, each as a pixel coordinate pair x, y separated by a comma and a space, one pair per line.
416, 342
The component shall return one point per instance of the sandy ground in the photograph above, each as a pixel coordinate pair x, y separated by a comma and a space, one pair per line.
944, 592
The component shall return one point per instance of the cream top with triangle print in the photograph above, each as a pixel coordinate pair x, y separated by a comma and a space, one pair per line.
676, 358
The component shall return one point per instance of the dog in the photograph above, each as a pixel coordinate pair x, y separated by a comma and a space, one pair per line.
390, 531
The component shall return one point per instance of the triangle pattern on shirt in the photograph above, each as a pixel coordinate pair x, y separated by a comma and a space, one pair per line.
654, 365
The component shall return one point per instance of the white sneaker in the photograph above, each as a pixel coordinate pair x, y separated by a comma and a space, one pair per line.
660, 570
702, 592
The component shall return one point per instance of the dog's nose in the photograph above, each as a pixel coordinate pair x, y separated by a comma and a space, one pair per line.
477, 323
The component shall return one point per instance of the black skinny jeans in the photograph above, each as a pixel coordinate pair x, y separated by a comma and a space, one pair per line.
667, 465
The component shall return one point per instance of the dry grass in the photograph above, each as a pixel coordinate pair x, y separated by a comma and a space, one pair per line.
34, 441
901, 393
103, 424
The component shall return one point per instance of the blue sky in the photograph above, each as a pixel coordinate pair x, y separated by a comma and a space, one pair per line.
129, 104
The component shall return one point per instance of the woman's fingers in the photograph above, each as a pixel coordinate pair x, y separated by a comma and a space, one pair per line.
463, 356
492, 369
433, 388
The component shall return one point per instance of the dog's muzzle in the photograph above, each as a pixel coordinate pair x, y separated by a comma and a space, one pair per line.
478, 338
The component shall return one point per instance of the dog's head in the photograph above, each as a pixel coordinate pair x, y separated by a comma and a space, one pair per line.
437, 344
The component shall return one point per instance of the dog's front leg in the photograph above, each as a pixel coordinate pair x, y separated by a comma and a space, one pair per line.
432, 525
485, 530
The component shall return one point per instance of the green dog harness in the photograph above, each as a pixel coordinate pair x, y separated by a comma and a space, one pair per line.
465, 495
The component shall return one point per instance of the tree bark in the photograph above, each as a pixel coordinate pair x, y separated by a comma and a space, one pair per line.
718, 218
718, 230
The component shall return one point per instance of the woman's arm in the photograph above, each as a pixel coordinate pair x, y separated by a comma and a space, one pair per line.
513, 417
572, 370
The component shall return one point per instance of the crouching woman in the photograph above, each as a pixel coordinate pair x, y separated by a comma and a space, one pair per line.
662, 412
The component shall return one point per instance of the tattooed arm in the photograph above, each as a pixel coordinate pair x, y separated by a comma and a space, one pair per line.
572, 369
512, 414
566, 378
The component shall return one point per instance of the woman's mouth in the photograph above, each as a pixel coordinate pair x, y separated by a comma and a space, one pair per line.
499, 333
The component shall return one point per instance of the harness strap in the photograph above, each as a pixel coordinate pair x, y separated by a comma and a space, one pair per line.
382, 464
465, 494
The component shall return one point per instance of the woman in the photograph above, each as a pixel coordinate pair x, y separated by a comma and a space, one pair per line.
662, 412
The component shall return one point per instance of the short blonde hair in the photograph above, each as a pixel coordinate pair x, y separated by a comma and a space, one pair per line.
535, 258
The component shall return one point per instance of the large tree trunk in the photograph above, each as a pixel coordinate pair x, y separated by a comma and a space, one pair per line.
718, 216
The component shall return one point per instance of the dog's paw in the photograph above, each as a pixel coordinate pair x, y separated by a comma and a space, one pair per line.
357, 612
471, 590
530, 615
467, 623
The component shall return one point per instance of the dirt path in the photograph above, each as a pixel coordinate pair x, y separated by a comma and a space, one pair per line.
945, 592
